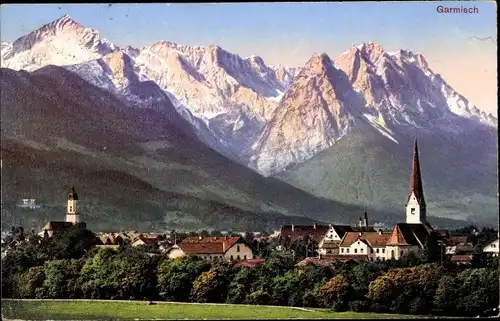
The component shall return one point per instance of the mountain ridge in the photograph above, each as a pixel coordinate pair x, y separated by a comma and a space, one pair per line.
242, 108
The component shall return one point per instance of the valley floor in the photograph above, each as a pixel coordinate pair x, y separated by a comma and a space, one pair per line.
137, 310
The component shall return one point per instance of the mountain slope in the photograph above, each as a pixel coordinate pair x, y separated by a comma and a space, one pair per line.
136, 167
392, 92
116, 74
367, 168
227, 97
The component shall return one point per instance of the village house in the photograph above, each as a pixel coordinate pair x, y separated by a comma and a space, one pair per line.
295, 233
462, 259
232, 248
143, 241
72, 218
492, 248
330, 243
457, 245
369, 244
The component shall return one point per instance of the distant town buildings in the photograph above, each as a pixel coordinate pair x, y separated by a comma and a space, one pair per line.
362, 242
232, 248
334, 242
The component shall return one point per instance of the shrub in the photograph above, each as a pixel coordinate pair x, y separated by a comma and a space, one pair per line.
258, 297
339, 306
358, 306
378, 308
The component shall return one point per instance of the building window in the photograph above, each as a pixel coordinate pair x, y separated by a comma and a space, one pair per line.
378, 251
412, 210
371, 250
237, 248
71, 208
402, 252
342, 250
355, 250
383, 250
361, 250
371, 258
238, 257
244, 257
232, 258
347, 250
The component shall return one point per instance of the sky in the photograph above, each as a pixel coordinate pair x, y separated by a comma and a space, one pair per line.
289, 33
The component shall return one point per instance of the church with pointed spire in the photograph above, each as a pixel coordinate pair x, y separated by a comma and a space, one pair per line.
416, 212
413, 234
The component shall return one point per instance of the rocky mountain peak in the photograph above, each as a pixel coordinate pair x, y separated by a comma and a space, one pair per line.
372, 50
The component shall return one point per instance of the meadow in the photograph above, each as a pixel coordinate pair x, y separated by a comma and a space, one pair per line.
141, 310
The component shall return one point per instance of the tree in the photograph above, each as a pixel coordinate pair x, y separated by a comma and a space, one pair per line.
126, 274
175, 277
334, 293
30, 282
61, 279
212, 286
73, 243
249, 237
258, 297
242, 284
360, 276
399, 288
216, 233
472, 292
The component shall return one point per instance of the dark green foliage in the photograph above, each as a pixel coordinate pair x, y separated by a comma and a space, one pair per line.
30, 282
358, 306
175, 277
61, 279
32, 270
471, 292
72, 244
259, 297
212, 286
242, 284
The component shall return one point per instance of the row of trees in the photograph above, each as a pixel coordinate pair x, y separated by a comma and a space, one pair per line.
69, 266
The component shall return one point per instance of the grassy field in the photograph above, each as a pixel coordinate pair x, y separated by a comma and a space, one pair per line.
124, 310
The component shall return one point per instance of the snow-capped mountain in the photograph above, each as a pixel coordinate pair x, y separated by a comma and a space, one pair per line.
61, 42
389, 91
285, 74
115, 72
273, 115
314, 113
232, 94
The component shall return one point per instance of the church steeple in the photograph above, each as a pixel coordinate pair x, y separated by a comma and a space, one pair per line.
416, 178
72, 213
415, 204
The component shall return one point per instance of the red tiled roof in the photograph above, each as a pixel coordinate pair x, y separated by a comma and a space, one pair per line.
409, 234
316, 232
149, 240
250, 262
371, 238
456, 240
461, 258
331, 258
208, 245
